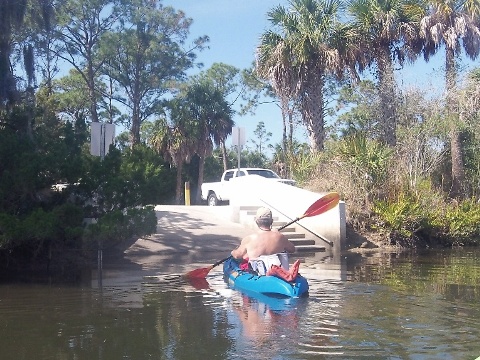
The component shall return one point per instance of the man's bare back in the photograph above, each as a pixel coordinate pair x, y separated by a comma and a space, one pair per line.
264, 242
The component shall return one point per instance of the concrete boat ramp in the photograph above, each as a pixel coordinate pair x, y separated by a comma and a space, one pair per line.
201, 229
183, 229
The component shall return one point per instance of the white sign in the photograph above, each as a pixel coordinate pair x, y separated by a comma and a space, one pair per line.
101, 137
238, 136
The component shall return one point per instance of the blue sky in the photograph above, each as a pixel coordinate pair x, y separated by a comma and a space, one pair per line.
234, 28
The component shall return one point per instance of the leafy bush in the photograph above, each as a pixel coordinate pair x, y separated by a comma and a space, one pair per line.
135, 178
405, 215
42, 233
462, 222
449, 224
118, 226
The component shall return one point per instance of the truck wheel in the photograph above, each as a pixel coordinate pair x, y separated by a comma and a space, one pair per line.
212, 200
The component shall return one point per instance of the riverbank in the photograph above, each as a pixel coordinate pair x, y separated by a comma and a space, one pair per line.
367, 241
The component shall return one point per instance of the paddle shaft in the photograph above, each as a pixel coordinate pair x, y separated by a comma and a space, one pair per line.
221, 261
291, 222
315, 209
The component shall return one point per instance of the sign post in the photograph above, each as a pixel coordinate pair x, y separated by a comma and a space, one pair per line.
238, 140
101, 137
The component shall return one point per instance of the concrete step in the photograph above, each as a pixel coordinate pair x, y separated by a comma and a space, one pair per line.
302, 242
284, 230
294, 235
249, 208
309, 248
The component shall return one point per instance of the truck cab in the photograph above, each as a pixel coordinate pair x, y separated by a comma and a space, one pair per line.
217, 192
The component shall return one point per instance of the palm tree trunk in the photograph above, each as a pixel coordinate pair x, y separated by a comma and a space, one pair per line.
456, 149
312, 108
224, 154
284, 109
201, 170
179, 187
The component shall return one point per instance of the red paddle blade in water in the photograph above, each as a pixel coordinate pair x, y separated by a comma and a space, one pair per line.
198, 273
325, 203
198, 283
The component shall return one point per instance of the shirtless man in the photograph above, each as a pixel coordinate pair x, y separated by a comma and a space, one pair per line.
266, 245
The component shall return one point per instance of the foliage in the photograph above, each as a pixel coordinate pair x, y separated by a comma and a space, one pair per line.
41, 231
118, 226
262, 138
369, 158
37, 223
306, 44
450, 224
462, 221
145, 56
303, 164
358, 110
383, 26
404, 215
253, 159
214, 166
136, 177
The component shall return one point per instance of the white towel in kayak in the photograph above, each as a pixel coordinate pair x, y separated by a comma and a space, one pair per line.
264, 262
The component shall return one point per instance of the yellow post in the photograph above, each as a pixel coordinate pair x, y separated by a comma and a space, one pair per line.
187, 193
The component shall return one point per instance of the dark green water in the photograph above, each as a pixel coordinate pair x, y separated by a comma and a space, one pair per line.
410, 306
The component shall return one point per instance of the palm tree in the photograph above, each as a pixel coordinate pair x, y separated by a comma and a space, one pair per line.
388, 32
224, 79
174, 146
455, 25
310, 43
210, 116
198, 114
220, 130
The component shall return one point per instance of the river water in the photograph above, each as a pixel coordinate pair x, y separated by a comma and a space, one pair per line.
362, 306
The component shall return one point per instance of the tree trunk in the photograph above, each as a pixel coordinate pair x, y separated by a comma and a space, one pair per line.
224, 154
290, 130
204, 149
284, 108
456, 149
201, 169
312, 107
387, 94
135, 130
179, 186
92, 93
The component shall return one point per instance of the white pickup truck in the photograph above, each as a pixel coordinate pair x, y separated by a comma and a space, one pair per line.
218, 192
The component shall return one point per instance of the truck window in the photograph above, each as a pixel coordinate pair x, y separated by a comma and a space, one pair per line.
240, 173
264, 173
228, 175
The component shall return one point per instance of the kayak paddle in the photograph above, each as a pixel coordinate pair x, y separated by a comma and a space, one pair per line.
325, 203
203, 272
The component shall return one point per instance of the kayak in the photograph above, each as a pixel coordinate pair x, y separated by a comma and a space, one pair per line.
267, 285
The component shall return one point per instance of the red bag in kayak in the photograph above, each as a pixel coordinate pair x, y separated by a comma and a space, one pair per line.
287, 275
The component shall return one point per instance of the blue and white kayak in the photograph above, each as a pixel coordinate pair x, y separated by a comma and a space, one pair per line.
267, 285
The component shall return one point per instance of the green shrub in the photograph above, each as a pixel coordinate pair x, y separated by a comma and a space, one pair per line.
116, 227
405, 215
462, 222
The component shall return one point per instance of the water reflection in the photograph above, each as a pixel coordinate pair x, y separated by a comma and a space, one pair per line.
376, 306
